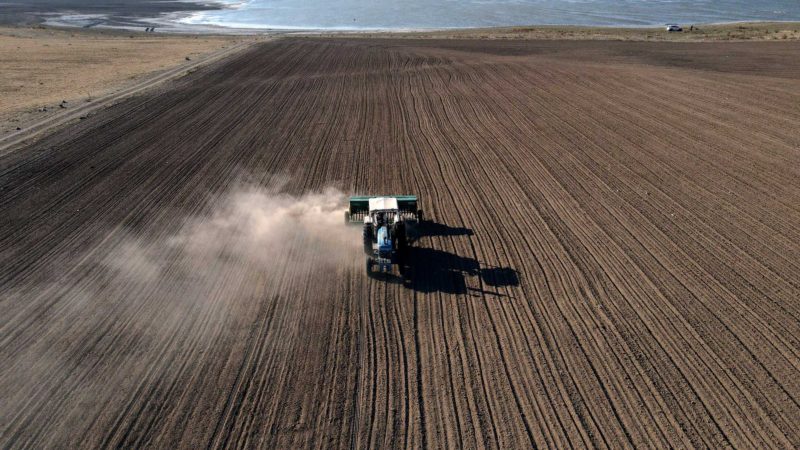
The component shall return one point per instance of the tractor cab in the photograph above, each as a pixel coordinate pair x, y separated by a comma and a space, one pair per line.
384, 242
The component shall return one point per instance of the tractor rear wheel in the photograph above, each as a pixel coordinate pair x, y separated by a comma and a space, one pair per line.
400, 236
420, 216
370, 264
367, 236
346, 217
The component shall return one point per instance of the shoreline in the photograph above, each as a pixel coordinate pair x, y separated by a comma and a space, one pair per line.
173, 24
730, 31
358, 30
198, 17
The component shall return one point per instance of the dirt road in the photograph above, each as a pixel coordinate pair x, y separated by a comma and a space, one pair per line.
612, 259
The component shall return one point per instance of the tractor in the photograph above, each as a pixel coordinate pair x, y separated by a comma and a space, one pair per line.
389, 226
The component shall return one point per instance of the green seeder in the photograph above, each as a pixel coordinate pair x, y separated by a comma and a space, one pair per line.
360, 207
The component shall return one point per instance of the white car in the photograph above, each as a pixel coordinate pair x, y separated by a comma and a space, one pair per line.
673, 28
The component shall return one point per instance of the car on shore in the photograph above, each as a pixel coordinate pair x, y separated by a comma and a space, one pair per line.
672, 28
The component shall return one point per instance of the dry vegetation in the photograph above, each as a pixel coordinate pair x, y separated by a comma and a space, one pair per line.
41, 67
612, 259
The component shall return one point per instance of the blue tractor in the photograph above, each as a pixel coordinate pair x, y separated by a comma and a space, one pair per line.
389, 226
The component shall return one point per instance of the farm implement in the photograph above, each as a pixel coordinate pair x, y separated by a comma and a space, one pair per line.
388, 228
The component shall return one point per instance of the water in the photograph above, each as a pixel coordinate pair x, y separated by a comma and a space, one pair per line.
427, 14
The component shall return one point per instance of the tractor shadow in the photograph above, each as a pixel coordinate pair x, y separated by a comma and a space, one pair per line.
430, 228
431, 270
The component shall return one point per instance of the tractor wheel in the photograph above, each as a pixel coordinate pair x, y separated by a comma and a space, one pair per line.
346, 217
400, 236
420, 217
401, 260
370, 264
367, 235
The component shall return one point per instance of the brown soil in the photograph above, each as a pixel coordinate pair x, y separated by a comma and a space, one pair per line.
612, 257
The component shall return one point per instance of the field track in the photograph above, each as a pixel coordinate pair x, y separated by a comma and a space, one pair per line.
613, 258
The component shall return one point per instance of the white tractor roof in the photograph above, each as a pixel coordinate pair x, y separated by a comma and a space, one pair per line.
378, 203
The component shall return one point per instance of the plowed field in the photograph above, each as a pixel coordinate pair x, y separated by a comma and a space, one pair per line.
612, 257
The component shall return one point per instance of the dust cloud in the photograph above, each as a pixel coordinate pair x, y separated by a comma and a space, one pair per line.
273, 231
199, 280
252, 230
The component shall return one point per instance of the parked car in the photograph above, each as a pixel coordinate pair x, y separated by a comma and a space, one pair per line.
673, 28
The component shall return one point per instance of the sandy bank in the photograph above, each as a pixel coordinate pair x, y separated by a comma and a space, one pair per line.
41, 67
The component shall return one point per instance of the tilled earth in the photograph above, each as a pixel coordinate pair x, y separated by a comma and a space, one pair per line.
612, 257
